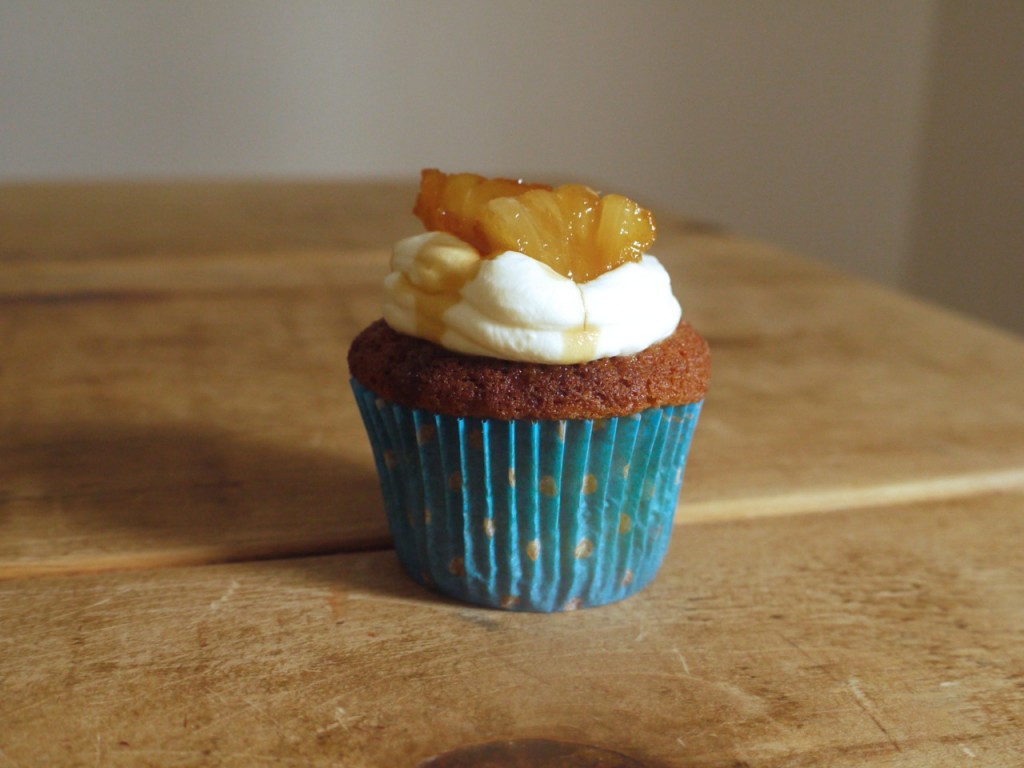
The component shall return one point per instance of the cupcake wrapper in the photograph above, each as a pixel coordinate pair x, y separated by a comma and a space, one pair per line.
529, 515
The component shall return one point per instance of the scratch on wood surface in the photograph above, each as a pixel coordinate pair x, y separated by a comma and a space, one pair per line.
743, 701
858, 693
232, 712
967, 751
342, 719
682, 660
262, 712
232, 588
867, 706
863, 702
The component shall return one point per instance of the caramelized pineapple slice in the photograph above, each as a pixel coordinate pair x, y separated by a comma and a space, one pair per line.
572, 229
453, 202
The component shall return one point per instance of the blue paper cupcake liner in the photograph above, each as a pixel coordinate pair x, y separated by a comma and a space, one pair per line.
529, 515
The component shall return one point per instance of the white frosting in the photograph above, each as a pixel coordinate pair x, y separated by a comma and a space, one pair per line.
514, 307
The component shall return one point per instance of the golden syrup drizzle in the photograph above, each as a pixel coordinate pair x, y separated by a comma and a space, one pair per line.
580, 344
442, 267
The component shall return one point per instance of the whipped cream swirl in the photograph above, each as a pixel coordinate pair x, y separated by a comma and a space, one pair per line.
514, 307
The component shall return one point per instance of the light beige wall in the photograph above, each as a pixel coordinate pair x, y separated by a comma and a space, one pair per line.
794, 121
967, 247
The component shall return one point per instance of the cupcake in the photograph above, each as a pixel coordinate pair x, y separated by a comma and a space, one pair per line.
530, 395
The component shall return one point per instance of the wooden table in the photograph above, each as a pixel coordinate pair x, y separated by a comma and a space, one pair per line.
195, 568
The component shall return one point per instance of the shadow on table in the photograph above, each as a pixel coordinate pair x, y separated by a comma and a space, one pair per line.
94, 496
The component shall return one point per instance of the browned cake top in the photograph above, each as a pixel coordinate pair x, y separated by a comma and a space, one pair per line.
421, 374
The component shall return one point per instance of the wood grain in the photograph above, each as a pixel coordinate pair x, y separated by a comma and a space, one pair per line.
829, 392
881, 637
173, 387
